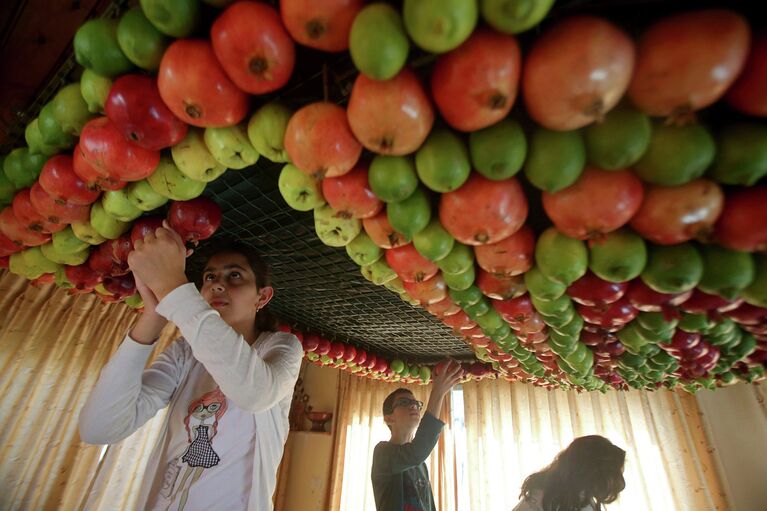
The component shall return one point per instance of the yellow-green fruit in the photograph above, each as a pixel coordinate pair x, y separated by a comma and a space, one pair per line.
170, 182
95, 89
140, 41
561, 258
67, 242
194, 159
363, 251
70, 109
74, 259
514, 16
334, 230
117, 205
231, 147
555, 159
106, 225
300, 191
378, 43
85, 232
30, 263
266, 131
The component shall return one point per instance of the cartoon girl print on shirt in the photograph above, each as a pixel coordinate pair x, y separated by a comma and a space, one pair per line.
201, 424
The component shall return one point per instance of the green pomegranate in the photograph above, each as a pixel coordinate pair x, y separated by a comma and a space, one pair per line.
95, 89
175, 18
97, 49
300, 191
442, 162
756, 292
411, 215
554, 307
363, 251
7, 189
694, 322
378, 43
380, 273
555, 159
22, 167
741, 156
514, 16
458, 260
541, 286
498, 151
460, 281
70, 110
140, 41
34, 140
631, 338
433, 241
392, 178
52, 132
676, 155
466, 297
438, 26
334, 230
266, 131
618, 256
673, 268
725, 272
619, 140
561, 258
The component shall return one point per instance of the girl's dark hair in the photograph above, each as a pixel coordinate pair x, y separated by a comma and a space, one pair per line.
588, 471
265, 320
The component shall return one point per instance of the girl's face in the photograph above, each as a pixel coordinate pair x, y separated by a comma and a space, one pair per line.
229, 286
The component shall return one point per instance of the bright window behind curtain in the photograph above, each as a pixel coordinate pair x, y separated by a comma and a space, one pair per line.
513, 430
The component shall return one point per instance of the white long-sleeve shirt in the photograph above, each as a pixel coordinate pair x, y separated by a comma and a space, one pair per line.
209, 360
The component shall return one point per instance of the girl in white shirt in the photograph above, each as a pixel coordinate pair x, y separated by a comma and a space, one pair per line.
583, 477
227, 382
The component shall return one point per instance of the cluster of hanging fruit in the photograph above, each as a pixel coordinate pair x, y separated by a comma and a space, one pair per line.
647, 267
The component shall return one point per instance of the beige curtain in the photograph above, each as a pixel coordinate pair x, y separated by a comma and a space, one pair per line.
360, 426
52, 348
514, 430
735, 418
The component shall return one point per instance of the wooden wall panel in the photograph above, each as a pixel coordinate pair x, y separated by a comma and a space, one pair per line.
36, 39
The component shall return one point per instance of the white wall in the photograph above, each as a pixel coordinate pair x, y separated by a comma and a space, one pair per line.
736, 423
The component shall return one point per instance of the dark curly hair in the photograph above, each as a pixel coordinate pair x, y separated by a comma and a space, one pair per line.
588, 472
265, 320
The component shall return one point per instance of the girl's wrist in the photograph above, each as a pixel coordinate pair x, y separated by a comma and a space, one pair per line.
162, 289
148, 328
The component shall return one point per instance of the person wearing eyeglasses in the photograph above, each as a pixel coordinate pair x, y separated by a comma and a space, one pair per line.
399, 474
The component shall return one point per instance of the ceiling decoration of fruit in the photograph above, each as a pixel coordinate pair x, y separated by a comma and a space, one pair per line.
576, 193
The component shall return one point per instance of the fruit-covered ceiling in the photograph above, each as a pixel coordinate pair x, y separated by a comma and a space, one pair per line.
569, 194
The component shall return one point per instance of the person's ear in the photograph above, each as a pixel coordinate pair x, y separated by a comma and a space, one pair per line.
265, 295
389, 420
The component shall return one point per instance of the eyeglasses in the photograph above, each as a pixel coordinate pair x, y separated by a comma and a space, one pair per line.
408, 403
212, 407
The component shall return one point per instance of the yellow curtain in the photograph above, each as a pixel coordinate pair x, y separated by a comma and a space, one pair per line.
735, 418
52, 348
360, 426
514, 430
